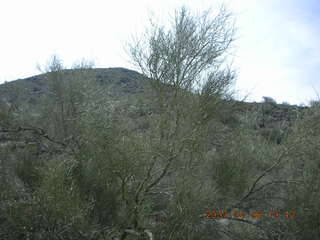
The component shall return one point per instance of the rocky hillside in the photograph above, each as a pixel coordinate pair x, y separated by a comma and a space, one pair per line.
269, 119
100, 154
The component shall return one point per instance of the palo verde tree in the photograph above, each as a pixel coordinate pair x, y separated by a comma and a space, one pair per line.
185, 64
189, 83
47, 202
68, 93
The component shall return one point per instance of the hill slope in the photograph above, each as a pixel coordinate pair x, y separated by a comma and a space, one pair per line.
100, 154
120, 83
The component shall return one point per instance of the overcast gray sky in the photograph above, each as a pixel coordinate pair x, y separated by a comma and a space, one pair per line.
277, 53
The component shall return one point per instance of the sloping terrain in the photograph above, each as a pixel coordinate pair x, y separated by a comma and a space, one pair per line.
101, 154
30, 88
272, 119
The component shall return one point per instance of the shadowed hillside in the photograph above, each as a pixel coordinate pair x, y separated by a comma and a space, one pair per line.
118, 84
82, 149
101, 154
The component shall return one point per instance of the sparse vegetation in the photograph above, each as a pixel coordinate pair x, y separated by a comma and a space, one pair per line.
113, 154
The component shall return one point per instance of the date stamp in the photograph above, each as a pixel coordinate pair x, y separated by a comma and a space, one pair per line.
255, 214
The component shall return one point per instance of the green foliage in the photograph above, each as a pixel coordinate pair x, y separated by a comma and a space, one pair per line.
128, 165
91, 160
27, 167
53, 211
235, 163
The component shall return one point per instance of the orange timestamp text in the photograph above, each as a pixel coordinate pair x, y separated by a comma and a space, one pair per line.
255, 214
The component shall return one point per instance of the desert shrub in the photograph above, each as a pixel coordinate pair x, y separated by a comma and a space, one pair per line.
27, 166
235, 162
306, 165
53, 211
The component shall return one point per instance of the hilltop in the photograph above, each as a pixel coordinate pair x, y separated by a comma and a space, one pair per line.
271, 119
